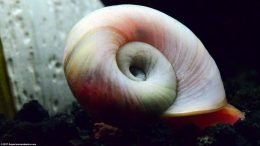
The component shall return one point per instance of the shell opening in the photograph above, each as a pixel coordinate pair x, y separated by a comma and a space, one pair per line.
135, 59
138, 72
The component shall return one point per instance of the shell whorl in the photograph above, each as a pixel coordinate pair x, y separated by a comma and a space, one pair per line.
185, 81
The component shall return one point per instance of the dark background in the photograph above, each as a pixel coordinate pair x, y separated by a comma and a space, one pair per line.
228, 29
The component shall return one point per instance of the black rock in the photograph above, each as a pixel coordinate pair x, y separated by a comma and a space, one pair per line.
81, 117
32, 112
5, 125
59, 130
23, 132
250, 128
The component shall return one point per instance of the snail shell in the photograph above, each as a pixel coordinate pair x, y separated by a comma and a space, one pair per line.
130, 61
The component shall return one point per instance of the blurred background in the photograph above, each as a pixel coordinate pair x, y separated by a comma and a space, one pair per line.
228, 29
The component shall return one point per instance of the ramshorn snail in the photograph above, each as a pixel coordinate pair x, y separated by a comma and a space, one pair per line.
127, 61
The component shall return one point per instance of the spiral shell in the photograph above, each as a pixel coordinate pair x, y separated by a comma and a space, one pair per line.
128, 59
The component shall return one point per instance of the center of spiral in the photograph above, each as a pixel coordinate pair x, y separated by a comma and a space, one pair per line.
148, 77
137, 72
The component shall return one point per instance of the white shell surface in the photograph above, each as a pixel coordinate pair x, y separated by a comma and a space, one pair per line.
199, 85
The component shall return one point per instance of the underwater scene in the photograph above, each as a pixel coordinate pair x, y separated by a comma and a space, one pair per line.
129, 73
